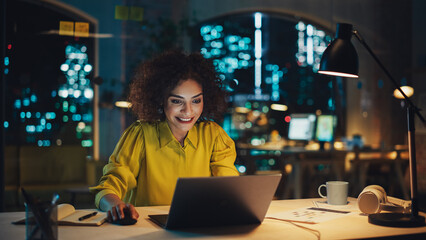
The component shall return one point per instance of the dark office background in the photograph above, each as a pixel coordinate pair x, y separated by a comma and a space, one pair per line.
42, 124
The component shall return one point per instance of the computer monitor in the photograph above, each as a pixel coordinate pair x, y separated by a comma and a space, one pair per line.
301, 126
325, 128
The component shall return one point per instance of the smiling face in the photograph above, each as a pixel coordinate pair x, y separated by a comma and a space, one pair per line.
183, 107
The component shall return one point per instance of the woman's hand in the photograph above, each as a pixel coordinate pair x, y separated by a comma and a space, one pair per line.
114, 207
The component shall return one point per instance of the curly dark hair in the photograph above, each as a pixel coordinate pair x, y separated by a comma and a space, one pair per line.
156, 78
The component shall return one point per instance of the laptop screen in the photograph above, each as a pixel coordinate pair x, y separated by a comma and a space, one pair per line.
221, 201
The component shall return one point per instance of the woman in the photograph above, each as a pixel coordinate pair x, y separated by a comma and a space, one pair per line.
174, 95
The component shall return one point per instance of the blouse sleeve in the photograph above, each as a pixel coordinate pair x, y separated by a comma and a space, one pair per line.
223, 156
119, 175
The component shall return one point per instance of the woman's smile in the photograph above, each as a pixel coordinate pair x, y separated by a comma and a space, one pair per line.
185, 120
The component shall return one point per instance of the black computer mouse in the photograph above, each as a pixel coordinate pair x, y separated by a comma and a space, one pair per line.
127, 220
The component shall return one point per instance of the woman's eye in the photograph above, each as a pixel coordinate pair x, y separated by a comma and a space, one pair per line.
197, 100
175, 101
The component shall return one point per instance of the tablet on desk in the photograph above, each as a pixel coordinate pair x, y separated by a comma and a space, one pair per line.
219, 201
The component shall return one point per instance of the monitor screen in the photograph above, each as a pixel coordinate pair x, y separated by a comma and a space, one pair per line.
301, 127
325, 128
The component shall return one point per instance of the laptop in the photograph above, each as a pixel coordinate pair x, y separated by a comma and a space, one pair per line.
219, 201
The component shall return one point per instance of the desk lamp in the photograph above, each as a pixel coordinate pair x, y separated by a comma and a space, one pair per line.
340, 59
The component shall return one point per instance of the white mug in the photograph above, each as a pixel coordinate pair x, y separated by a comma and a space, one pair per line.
337, 192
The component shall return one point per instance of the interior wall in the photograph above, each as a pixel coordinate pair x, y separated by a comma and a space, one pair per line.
419, 83
419, 59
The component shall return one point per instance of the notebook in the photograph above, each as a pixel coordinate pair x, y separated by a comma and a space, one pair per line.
66, 213
219, 201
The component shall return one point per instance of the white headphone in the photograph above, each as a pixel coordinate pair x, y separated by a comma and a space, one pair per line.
373, 199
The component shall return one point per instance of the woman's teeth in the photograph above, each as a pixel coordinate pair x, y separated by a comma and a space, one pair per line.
185, 119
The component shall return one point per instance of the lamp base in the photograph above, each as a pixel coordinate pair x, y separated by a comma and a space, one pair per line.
396, 220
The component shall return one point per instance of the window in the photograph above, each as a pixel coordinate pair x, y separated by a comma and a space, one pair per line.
268, 63
48, 78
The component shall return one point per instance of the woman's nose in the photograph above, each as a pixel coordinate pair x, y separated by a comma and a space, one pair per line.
187, 109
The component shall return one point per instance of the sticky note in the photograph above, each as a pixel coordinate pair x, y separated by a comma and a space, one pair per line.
81, 29
136, 14
121, 12
66, 28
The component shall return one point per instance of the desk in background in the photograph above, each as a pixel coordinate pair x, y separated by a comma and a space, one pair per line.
304, 161
349, 227
393, 160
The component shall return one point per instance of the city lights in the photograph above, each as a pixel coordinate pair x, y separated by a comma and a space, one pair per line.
229, 52
68, 102
311, 44
279, 107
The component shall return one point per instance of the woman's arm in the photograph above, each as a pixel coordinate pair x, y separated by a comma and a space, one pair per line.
121, 172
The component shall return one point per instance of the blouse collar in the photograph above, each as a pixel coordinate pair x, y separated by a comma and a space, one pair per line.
166, 135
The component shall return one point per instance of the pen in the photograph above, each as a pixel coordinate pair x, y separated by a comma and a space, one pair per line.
87, 216
327, 210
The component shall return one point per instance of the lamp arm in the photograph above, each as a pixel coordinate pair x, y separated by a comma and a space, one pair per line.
411, 109
414, 107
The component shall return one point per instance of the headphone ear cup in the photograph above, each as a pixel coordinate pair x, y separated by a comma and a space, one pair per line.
370, 201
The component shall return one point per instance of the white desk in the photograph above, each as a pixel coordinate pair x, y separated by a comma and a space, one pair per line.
350, 227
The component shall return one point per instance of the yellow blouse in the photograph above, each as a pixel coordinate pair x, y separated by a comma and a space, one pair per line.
145, 164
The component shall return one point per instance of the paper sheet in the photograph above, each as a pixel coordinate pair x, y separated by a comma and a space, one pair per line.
319, 212
308, 215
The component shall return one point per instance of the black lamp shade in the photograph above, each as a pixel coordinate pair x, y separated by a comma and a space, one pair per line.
340, 57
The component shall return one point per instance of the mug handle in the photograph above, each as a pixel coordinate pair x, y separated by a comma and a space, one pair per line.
319, 190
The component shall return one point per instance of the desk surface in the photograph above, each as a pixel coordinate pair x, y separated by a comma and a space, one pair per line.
313, 149
350, 227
